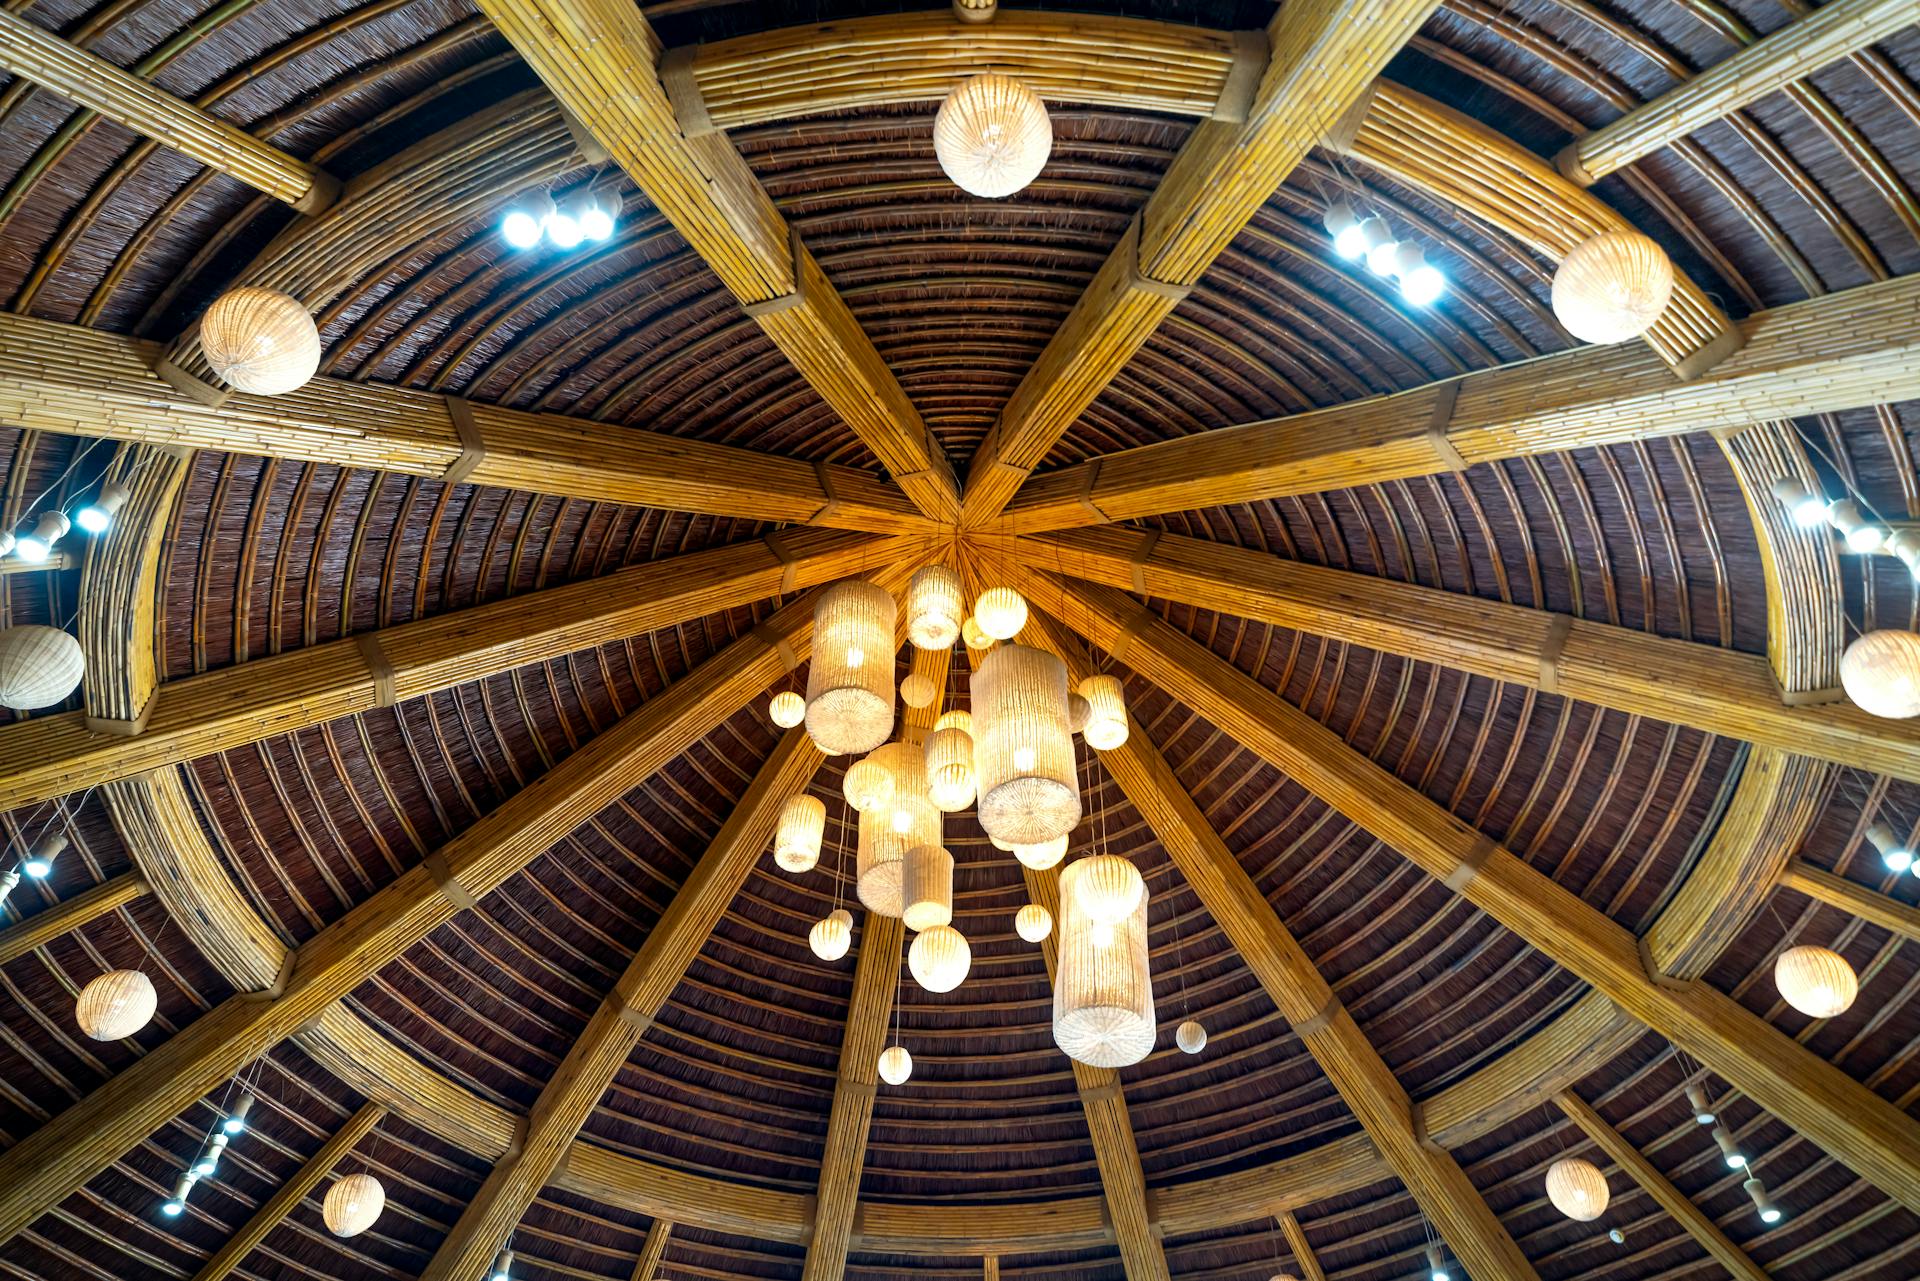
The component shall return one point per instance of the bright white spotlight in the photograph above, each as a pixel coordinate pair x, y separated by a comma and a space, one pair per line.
36, 547
1381, 258
1420, 282
564, 231
1802, 504
97, 516
525, 219
596, 217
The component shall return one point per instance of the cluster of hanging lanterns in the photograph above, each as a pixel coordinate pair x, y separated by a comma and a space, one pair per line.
1705, 1117
1370, 240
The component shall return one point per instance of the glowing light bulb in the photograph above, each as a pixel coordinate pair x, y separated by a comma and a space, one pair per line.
903, 821
37, 868
856, 656
1423, 285
1023, 759
172, 1209
563, 230
520, 229
1380, 258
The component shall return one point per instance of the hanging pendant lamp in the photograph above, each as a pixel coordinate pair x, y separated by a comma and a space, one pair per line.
935, 608
796, 843
927, 888
1103, 990
850, 677
992, 135
1022, 748
908, 819
949, 755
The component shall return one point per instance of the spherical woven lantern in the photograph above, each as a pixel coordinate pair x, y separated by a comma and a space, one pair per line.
352, 1204
950, 780
796, 838
1816, 981
917, 690
1022, 748
850, 678
1880, 672
1103, 988
935, 607
260, 341
1033, 923
787, 709
908, 819
1106, 724
1078, 710
39, 667
832, 935
896, 1065
1190, 1037
116, 1005
992, 135
959, 719
939, 958
1110, 887
1612, 287
1042, 856
868, 784
1001, 612
927, 888
975, 638
1577, 1189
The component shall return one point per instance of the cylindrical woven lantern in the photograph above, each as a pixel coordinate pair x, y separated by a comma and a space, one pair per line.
1001, 612
352, 1204
796, 839
939, 958
950, 780
1880, 672
868, 784
1110, 887
896, 1065
1033, 923
909, 818
975, 638
1022, 749
832, 935
1816, 981
1190, 1037
116, 1005
787, 709
959, 719
850, 678
917, 690
992, 135
1042, 856
1103, 988
1612, 287
1577, 1189
927, 888
39, 667
260, 341
1106, 726
935, 607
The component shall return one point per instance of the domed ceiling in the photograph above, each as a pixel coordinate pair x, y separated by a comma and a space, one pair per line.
240, 830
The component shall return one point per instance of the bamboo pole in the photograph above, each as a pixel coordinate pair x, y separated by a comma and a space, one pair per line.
1303, 1256
652, 1250
62, 918
1850, 896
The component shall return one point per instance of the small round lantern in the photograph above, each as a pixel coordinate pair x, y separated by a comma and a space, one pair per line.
1612, 287
939, 958
1816, 981
896, 1065
832, 935
917, 690
260, 341
1577, 1189
1033, 923
116, 1005
787, 709
1190, 1037
992, 135
39, 667
1881, 674
352, 1204
1001, 612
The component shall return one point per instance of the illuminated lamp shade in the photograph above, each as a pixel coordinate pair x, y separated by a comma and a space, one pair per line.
868, 784
907, 820
992, 135
260, 341
1110, 888
352, 1204
896, 1065
935, 608
939, 958
1001, 612
1022, 748
1816, 981
1106, 726
116, 1005
917, 690
796, 841
1103, 991
1612, 287
1042, 856
832, 935
1881, 674
1577, 1189
787, 709
1190, 1037
975, 638
1281, 1276
39, 666
1078, 710
850, 677
950, 782
927, 888
1033, 923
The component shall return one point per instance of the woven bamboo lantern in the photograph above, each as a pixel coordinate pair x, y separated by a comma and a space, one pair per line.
950, 781
1106, 723
787, 709
896, 1065
1103, 992
796, 841
992, 135
1042, 856
1001, 612
1577, 1189
832, 935
1816, 981
850, 680
1612, 287
908, 819
1190, 1037
1022, 748
975, 638
116, 1005
868, 784
935, 607
352, 1204
975, 10
1078, 710
917, 690
39, 667
1110, 887
939, 958
1881, 674
260, 341
1033, 923
927, 888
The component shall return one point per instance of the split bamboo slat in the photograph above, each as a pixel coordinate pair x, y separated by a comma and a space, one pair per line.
1850, 896
119, 602
32, 52
1871, 1136
1341, 1050
1303, 1256
1846, 350
62, 918
652, 1250
601, 1049
274, 1210
1794, 52
1716, 690
85, 382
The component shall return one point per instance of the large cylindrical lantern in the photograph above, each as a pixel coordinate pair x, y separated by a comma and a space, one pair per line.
1022, 749
850, 677
935, 607
1106, 724
992, 135
796, 839
1612, 287
908, 819
116, 1005
1816, 981
260, 341
949, 752
1881, 674
1103, 989
352, 1204
927, 888
1577, 1189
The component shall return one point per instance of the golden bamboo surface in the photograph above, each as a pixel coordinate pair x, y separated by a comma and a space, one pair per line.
54, 922
274, 1210
1717, 690
1303, 1256
652, 1250
117, 610
1849, 349
1794, 52
32, 52
1850, 896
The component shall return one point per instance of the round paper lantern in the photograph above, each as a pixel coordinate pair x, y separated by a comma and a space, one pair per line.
927, 888
992, 135
935, 606
950, 781
896, 1065
1106, 724
1033, 923
1110, 887
1001, 612
39, 667
832, 935
1078, 709
1190, 1037
868, 784
796, 840
918, 691
1103, 992
959, 719
939, 958
975, 638
1022, 749
116, 1005
1816, 981
850, 677
1612, 287
1880, 672
1042, 856
787, 709
1577, 1189
260, 341
908, 819
352, 1204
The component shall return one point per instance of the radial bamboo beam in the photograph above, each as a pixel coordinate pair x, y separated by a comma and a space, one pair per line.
1303, 1256
1846, 350
602, 61
274, 1210
85, 382
32, 52
51, 756
1794, 52
652, 1250
1871, 1136
1716, 690
1850, 896
1683, 1211
43, 927
1320, 58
